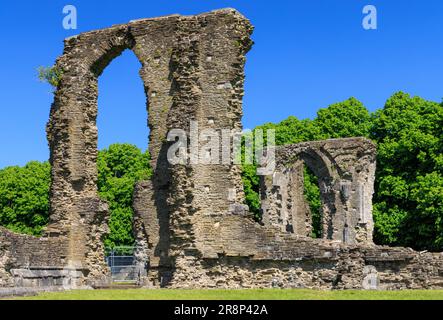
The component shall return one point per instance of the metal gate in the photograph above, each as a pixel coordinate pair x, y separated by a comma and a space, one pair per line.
123, 264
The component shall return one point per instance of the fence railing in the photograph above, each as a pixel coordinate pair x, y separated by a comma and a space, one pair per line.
122, 262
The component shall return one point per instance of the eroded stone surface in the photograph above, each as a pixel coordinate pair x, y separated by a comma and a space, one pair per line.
191, 224
345, 169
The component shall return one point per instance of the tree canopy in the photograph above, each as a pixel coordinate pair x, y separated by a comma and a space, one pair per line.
408, 200
24, 200
119, 168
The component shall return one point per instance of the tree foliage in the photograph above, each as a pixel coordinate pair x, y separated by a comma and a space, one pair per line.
24, 200
51, 75
119, 168
408, 201
349, 118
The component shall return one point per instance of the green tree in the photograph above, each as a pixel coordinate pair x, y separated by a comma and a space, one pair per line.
312, 196
346, 119
119, 168
251, 187
408, 201
24, 197
293, 130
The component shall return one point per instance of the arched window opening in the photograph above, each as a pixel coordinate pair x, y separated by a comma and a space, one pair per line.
313, 198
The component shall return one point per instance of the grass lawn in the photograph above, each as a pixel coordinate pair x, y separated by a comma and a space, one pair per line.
253, 294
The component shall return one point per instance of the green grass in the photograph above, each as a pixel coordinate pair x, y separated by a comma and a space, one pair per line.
253, 294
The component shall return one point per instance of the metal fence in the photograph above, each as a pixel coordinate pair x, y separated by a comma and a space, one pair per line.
123, 264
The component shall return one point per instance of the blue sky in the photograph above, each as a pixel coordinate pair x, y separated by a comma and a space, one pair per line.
307, 54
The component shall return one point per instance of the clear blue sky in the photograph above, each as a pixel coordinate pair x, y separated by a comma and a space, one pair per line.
307, 55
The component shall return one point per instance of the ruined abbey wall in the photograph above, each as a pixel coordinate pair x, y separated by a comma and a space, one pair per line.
345, 169
190, 221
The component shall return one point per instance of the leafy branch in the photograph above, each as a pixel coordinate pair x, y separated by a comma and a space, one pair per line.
51, 75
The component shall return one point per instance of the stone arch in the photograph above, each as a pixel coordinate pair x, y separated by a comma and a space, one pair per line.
76, 149
179, 57
323, 169
338, 166
74, 145
288, 186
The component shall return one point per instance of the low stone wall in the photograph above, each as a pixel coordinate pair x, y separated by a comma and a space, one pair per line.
228, 258
47, 277
233, 251
375, 268
27, 261
26, 291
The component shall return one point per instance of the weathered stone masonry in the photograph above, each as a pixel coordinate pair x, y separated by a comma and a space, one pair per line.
190, 220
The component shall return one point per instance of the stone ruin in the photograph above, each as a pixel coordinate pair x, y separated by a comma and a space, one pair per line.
190, 221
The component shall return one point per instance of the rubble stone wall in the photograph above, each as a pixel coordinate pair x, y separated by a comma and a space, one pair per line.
345, 169
192, 70
22, 252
